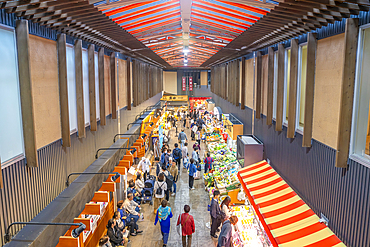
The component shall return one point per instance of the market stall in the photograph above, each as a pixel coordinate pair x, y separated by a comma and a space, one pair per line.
233, 126
198, 102
285, 217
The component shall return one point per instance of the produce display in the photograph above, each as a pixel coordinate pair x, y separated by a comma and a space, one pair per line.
247, 232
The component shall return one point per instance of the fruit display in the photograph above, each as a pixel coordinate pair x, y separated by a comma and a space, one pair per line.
247, 232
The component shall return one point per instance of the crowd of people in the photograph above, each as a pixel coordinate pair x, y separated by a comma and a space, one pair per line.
168, 167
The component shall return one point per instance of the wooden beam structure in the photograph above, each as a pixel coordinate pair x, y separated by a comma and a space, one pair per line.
258, 85
237, 82
101, 87
310, 89
63, 90
293, 85
347, 92
113, 84
270, 86
280, 88
243, 85
79, 89
25, 86
92, 89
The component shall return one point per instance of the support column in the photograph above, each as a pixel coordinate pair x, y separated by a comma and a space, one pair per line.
128, 80
63, 90
113, 84
310, 89
243, 85
259, 85
280, 88
270, 86
92, 89
347, 92
101, 87
79, 89
25, 85
293, 88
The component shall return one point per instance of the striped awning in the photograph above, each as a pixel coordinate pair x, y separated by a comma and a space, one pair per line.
288, 221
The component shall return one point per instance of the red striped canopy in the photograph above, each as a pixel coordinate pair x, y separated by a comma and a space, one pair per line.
287, 219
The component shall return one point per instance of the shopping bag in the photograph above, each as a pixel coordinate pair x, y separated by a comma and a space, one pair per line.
178, 227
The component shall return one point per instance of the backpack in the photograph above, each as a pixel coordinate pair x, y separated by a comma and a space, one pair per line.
159, 190
169, 180
177, 153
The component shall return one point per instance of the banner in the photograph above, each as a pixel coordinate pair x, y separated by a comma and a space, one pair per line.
190, 83
183, 83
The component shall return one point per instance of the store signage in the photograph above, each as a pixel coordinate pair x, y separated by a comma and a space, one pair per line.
190, 83
183, 83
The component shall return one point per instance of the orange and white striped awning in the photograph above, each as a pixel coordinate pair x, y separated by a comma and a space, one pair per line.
288, 221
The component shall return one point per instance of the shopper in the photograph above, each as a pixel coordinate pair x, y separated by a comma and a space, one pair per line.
144, 164
192, 172
168, 157
158, 166
104, 241
225, 238
208, 162
225, 207
187, 121
185, 154
139, 183
215, 212
182, 138
131, 189
132, 207
111, 232
174, 171
177, 155
194, 129
198, 135
163, 156
187, 226
168, 179
196, 145
159, 189
164, 216
195, 155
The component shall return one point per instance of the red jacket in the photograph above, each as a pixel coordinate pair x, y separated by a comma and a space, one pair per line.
188, 226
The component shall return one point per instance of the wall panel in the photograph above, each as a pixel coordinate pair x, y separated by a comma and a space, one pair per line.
329, 64
122, 81
264, 83
108, 103
249, 66
44, 74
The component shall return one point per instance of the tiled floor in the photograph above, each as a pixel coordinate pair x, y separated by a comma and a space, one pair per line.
197, 199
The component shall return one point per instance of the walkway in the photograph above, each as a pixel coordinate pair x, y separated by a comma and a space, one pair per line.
198, 201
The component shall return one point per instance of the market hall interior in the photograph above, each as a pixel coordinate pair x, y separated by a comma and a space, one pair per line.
279, 90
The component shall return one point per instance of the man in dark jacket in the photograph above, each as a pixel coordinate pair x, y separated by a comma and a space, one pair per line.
225, 238
215, 213
177, 155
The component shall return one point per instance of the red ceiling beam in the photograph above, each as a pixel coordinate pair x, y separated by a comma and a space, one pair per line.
211, 24
150, 20
156, 25
225, 11
245, 7
233, 24
127, 7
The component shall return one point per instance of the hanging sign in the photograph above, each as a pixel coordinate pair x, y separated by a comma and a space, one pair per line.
183, 83
190, 83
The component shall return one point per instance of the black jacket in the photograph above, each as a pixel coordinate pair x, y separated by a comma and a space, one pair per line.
215, 209
112, 237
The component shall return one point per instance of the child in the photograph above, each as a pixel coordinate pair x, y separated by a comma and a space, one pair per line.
192, 172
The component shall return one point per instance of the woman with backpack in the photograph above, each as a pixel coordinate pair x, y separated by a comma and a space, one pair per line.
187, 226
159, 189
208, 163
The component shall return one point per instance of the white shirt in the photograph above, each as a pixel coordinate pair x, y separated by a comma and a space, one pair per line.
184, 151
145, 165
139, 184
130, 206
158, 184
226, 211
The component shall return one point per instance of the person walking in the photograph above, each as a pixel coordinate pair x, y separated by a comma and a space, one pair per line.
215, 212
192, 172
168, 180
163, 156
208, 163
187, 121
195, 155
177, 155
187, 226
225, 238
144, 164
164, 215
184, 151
174, 171
182, 138
159, 189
